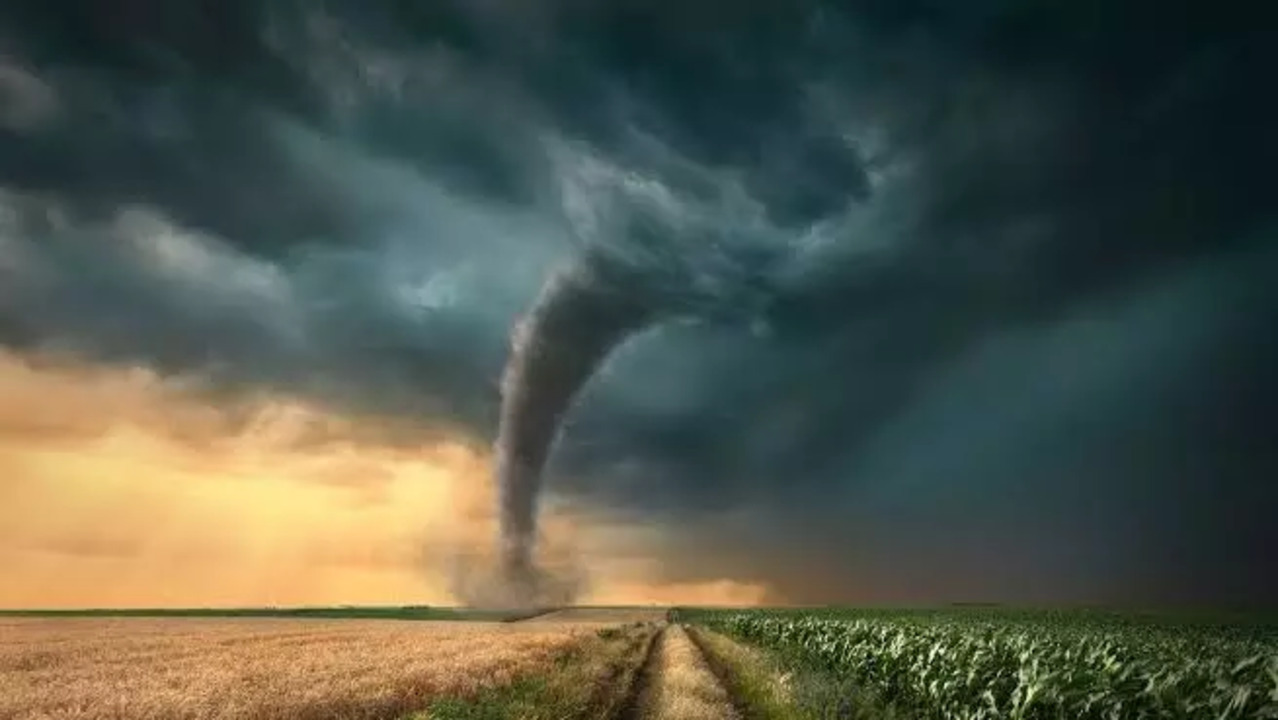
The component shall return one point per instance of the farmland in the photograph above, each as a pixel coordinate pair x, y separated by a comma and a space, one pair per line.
991, 665
184, 668
635, 664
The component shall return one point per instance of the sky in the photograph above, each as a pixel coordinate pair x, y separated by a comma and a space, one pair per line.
960, 302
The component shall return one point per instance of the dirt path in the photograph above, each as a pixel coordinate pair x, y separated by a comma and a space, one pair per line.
677, 683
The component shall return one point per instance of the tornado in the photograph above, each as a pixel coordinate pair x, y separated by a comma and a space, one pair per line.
580, 315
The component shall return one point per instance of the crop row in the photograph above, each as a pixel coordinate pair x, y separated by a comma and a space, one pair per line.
983, 668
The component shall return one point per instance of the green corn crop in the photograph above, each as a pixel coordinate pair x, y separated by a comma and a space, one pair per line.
1047, 667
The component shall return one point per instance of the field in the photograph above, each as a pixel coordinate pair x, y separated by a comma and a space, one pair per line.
179, 668
637, 664
993, 664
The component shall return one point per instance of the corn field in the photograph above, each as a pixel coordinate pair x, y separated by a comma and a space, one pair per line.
961, 667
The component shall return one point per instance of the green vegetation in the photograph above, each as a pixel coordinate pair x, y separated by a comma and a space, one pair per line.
366, 612
769, 688
521, 699
991, 664
1230, 622
759, 684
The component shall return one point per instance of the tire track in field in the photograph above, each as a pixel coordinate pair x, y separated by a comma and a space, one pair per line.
721, 673
679, 682
630, 707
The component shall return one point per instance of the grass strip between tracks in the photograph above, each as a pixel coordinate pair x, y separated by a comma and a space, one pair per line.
766, 687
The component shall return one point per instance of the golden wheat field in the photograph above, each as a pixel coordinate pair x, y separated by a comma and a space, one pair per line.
286, 669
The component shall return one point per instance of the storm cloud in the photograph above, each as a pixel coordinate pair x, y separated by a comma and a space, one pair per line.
968, 303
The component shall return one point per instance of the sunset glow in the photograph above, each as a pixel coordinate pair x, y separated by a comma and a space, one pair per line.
126, 489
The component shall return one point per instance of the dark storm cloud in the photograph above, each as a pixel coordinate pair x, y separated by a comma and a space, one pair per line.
1117, 453
978, 293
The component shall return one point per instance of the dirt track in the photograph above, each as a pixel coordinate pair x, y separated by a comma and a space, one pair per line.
675, 680
668, 677
677, 683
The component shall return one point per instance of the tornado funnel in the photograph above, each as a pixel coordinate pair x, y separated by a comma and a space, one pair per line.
576, 320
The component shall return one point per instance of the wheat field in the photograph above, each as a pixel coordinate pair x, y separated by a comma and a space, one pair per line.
282, 669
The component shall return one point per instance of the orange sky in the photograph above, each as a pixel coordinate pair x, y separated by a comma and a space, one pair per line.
122, 488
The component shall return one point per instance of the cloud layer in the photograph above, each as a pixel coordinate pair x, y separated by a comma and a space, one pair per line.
973, 303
